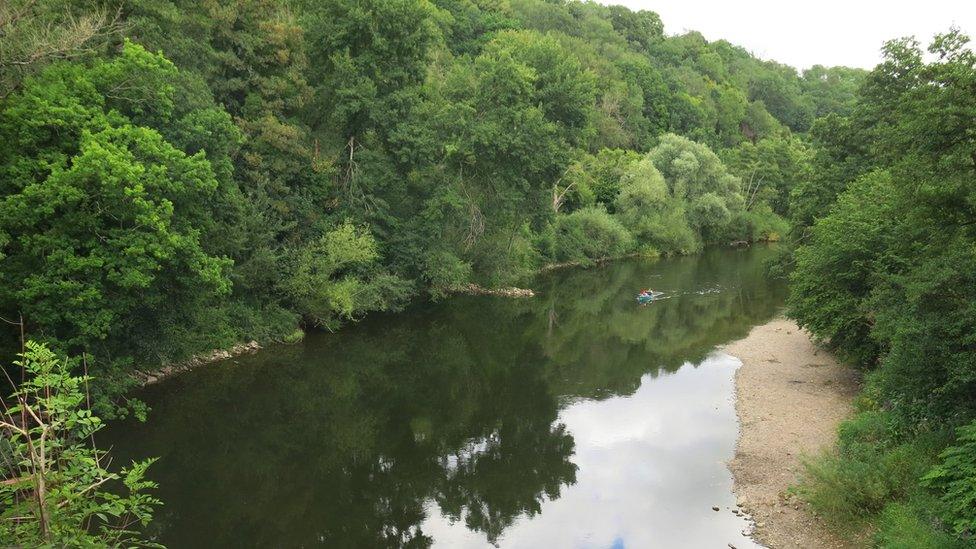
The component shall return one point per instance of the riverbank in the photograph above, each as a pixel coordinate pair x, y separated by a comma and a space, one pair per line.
149, 376
154, 376
790, 397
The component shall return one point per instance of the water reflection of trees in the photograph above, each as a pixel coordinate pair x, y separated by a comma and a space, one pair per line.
345, 441
598, 342
348, 439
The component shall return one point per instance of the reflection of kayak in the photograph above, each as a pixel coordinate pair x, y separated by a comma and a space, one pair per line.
647, 298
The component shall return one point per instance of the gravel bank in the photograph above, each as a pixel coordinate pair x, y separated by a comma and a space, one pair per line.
790, 396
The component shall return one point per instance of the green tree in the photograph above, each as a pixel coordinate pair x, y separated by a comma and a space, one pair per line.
249, 56
335, 278
107, 220
642, 28
770, 169
371, 58
656, 218
778, 87
831, 89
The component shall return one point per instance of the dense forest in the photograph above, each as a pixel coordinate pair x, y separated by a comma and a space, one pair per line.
180, 176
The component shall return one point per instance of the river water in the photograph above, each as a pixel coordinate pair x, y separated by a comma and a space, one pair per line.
573, 419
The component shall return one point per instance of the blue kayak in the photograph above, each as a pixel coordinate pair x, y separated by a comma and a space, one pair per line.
647, 298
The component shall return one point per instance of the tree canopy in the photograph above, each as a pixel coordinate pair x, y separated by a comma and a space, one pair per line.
189, 175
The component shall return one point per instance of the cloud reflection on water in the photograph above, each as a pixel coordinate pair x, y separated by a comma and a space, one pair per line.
647, 462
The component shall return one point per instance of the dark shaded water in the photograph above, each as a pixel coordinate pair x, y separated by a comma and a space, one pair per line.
573, 419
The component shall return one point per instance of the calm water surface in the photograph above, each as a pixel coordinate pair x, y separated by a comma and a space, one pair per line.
573, 419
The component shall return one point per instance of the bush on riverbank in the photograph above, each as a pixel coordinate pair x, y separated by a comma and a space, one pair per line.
913, 525
760, 224
589, 234
851, 486
873, 483
954, 478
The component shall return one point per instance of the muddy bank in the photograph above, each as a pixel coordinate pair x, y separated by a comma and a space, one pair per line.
790, 397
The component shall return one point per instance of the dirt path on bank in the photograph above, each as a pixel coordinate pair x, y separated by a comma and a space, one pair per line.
790, 396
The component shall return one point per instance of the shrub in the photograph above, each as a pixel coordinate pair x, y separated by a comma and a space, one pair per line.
955, 478
589, 234
293, 337
443, 270
850, 486
505, 256
53, 490
669, 232
759, 224
605, 170
337, 277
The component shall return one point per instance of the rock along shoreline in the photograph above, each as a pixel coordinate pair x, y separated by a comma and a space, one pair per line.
154, 376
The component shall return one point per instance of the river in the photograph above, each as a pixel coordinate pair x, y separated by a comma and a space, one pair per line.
576, 418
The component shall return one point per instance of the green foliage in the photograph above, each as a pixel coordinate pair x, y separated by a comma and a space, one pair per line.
831, 89
336, 278
445, 271
912, 526
248, 56
780, 92
642, 28
770, 169
693, 170
55, 482
371, 56
645, 206
185, 186
955, 478
831, 272
588, 234
106, 219
681, 196
871, 469
758, 224
294, 337
873, 482
469, 23
597, 177
885, 276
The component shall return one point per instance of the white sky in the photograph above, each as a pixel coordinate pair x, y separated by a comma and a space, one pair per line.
811, 32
